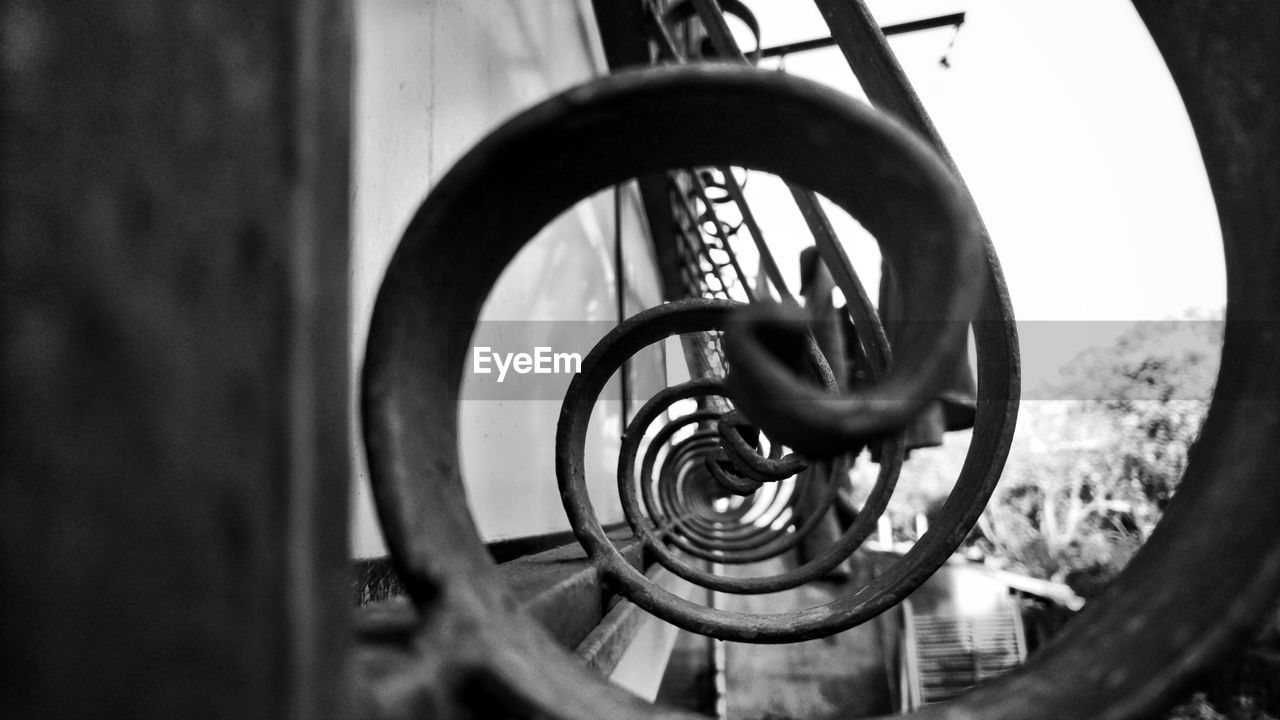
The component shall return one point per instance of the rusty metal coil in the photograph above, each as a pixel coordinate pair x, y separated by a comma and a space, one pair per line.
549, 157
628, 338
1189, 594
706, 537
873, 167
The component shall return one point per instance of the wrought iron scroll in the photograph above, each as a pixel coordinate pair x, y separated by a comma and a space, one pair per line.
1191, 591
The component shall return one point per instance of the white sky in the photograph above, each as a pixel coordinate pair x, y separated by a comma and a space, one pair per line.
1073, 139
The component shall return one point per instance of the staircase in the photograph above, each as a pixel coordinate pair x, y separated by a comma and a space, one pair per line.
948, 654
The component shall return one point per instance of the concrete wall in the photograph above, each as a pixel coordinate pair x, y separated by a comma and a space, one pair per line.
432, 78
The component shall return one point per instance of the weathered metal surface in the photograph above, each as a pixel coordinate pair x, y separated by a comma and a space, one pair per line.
699, 530
609, 640
504, 550
173, 359
606, 643
711, 15
819, 424
867, 51
822, 428
746, 459
558, 587
546, 158
800, 415
837, 677
668, 503
637, 332
561, 588
1123, 659
859, 306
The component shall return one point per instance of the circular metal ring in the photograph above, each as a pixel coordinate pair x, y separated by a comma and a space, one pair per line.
507, 188
1133, 647
598, 366
675, 318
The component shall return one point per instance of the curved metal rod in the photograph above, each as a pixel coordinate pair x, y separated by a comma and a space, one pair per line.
605, 358
933, 229
548, 157
719, 466
731, 551
742, 530
746, 543
819, 424
636, 429
656, 445
671, 319
1131, 651
873, 345
745, 457
685, 458
711, 539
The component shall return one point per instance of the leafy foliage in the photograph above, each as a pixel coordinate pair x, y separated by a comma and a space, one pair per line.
1093, 470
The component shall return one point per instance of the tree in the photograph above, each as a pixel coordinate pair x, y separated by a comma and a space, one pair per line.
1093, 470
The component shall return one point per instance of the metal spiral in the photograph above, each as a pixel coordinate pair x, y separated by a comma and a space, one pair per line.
1190, 592
674, 528
671, 511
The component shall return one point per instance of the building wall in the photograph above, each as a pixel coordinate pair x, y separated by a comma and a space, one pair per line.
432, 78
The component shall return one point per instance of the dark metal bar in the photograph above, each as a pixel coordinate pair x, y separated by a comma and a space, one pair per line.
876, 67
563, 590
941, 21
608, 641
560, 588
620, 290
667, 48
712, 16
886, 84
509, 549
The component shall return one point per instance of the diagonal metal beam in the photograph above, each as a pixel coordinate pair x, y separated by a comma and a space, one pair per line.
951, 20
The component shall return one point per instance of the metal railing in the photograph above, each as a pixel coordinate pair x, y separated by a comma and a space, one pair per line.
719, 486
176, 358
